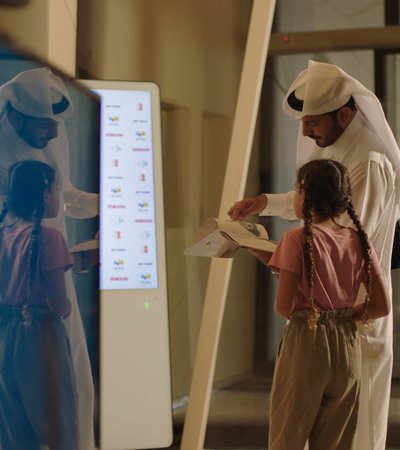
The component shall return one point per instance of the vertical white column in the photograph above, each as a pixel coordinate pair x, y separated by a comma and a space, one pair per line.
234, 186
62, 34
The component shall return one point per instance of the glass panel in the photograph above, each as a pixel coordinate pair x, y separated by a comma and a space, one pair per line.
48, 360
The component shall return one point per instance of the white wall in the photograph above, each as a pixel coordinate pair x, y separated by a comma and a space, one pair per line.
46, 28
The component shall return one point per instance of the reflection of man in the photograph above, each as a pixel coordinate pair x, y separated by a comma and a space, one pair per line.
33, 106
342, 120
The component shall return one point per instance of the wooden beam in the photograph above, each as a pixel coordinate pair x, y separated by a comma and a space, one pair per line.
385, 38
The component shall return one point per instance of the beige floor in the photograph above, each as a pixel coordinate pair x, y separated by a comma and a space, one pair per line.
238, 417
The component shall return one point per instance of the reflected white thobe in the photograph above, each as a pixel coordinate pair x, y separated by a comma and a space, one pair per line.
77, 204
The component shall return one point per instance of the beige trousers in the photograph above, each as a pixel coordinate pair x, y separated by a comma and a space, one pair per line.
316, 386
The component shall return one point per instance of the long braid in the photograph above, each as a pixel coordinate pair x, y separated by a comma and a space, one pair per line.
366, 255
34, 244
27, 183
309, 263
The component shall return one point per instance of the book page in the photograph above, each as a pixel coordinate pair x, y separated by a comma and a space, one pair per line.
237, 229
255, 243
212, 245
222, 238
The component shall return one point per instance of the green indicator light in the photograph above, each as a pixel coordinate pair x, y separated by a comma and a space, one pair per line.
146, 305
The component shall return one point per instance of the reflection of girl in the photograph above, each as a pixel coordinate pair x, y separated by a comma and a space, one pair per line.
316, 386
37, 385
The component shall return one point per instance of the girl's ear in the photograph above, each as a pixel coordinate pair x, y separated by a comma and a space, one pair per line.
46, 197
302, 196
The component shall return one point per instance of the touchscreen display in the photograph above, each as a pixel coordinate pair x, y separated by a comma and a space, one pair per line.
128, 250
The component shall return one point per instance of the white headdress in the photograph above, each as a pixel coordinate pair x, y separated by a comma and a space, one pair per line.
323, 88
37, 93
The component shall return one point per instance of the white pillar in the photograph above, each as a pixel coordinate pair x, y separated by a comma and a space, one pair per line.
234, 186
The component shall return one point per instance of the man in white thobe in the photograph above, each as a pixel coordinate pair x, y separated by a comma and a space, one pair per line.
33, 106
342, 120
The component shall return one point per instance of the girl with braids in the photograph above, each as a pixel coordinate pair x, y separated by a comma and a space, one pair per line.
322, 265
37, 385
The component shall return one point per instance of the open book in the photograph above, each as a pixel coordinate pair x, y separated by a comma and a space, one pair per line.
221, 238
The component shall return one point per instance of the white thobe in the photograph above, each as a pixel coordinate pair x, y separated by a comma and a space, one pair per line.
374, 186
77, 204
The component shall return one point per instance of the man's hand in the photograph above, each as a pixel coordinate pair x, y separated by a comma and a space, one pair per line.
248, 206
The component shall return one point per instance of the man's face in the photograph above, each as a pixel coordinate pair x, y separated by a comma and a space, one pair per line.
37, 132
324, 129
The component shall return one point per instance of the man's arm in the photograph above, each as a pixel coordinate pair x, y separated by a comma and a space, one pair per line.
80, 204
265, 205
77, 203
372, 185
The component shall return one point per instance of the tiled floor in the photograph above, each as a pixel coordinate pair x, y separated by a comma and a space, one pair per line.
238, 417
